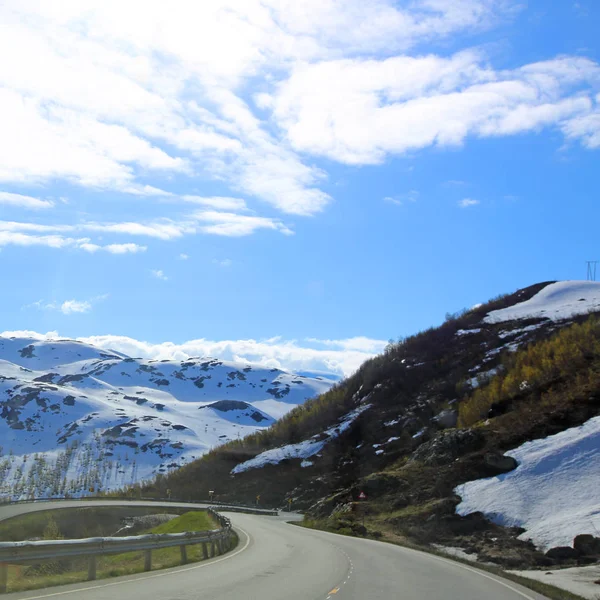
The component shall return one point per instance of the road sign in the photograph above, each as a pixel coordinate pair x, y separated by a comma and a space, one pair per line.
362, 496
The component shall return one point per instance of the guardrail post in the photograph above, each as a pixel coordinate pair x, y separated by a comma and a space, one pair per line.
212, 549
92, 568
148, 560
220, 546
3, 577
183, 554
204, 550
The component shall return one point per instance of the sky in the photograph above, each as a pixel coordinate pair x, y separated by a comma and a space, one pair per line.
291, 182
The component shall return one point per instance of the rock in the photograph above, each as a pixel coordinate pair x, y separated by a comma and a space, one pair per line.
586, 544
382, 483
562, 553
499, 463
448, 445
446, 419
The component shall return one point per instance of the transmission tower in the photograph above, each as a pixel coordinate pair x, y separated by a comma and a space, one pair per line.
591, 269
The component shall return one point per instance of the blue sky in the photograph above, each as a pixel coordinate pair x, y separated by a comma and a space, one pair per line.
292, 183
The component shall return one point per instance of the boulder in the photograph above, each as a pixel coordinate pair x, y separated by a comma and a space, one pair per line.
448, 446
499, 463
562, 553
586, 544
446, 419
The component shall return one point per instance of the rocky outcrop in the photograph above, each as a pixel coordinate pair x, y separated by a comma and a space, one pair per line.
446, 419
448, 446
499, 463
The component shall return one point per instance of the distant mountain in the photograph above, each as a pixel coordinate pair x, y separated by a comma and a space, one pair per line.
74, 417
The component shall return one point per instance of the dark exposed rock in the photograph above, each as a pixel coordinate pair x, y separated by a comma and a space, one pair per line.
499, 463
562, 553
446, 419
586, 544
27, 352
448, 445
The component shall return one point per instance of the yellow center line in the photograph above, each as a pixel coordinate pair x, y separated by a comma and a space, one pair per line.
335, 590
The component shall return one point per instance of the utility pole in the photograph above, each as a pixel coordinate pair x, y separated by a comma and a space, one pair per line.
591, 269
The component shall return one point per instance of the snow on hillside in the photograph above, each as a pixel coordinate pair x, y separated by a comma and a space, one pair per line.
556, 301
304, 449
554, 493
74, 417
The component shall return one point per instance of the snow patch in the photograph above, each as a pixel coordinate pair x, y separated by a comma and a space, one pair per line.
557, 301
304, 449
553, 493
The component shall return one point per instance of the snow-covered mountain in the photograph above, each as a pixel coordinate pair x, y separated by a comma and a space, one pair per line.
74, 417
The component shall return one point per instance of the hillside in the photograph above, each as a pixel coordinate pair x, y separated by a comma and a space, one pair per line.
74, 417
433, 412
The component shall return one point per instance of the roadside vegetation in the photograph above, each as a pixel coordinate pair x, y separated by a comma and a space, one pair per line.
60, 572
549, 373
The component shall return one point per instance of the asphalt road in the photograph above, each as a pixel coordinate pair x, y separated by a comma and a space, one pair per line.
279, 561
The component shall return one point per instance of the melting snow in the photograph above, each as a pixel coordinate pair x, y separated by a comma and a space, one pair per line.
556, 301
553, 493
304, 449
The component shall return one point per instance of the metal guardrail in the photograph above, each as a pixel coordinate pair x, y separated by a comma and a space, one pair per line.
230, 506
213, 542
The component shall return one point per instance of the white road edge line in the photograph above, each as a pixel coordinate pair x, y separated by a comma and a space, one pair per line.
497, 579
479, 572
154, 576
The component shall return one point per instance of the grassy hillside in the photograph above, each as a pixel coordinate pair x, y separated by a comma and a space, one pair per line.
443, 406
412, 381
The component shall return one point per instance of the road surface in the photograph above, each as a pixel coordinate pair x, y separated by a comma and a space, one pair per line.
279, 561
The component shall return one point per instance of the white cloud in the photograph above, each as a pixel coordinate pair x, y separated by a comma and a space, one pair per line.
360, 343
183, 256
75, 306
218, 202
467, 202
399, 199
24, 201
359, 111
225, 262
113, 95
159, 274
52, 241
203, 221
67, 307
11, 236
94, 95
341, 357
128, 248
234, 225
393, 200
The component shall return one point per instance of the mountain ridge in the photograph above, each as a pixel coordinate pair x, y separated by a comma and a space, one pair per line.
67, 402
439, 409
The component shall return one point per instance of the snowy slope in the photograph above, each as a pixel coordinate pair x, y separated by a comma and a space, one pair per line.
73, 417
554, 493
557, 301
304, 449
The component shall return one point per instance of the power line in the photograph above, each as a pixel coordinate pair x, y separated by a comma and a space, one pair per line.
591, 269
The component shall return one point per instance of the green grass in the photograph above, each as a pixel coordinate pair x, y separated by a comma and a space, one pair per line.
24, 577
74, 523
196, 520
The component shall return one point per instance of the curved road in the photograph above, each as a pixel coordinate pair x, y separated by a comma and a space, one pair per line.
278, 561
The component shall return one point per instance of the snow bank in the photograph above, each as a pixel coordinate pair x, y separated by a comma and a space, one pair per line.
554, 493
556, 301
304, 449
